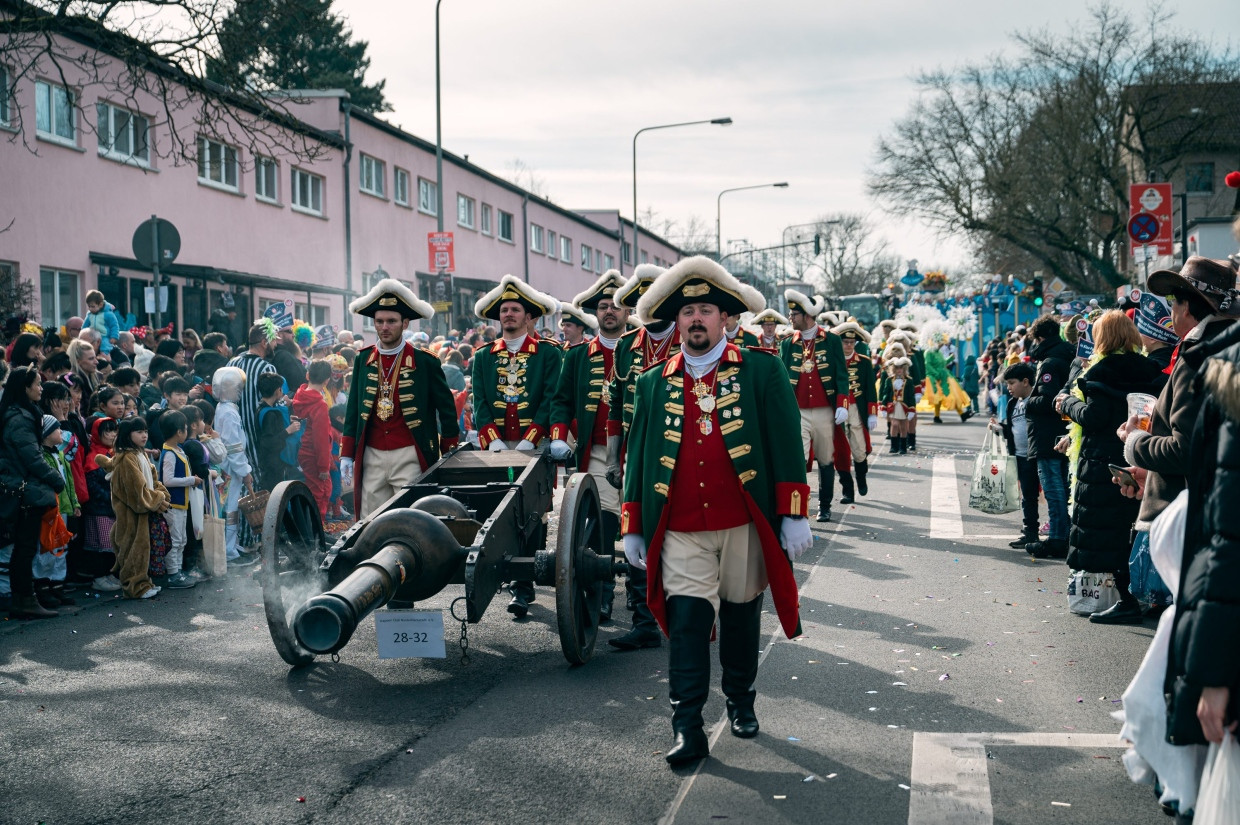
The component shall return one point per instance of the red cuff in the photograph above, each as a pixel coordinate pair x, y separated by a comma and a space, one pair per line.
446, 444
872, 408
791, 499
842, 401
487, 434
631, 517
559, 432
615, 427
347, 447
534, 434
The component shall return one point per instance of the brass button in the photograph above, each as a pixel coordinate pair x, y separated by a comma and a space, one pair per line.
701, 463
701, 483
706, 504
699, 441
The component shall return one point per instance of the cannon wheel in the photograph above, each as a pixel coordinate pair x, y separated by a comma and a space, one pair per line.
579, 538
292, 550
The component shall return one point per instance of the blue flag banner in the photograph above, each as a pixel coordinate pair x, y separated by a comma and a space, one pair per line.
1154, 319
1085, 344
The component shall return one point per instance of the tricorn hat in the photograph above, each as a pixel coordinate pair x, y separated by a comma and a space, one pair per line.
770, 316
1212, 281
901, 361
800, 302
852, 331
894, 350
572, 312
635, 287
512, 288
697, 280
605, 287
393, 296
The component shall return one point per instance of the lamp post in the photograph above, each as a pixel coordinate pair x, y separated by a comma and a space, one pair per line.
718, 121
719, 209
438, 131
783, 239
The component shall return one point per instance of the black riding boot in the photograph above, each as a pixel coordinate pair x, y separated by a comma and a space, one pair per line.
904, 445
740, 630
862, 468
847, 493
645, 631
522, 595
826, 491
611, 532
689, 621
910, 441
895, 445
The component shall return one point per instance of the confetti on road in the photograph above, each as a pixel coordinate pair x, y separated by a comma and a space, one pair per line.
1062, 804
905, 787
793, 739
832, 775
945, 677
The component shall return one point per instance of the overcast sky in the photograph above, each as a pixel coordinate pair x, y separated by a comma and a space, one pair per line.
811, 84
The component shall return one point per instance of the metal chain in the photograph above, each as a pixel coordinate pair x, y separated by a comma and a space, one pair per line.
464, 640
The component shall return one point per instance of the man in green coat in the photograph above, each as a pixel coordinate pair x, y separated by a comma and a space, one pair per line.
513, 381
853, 439
712, 471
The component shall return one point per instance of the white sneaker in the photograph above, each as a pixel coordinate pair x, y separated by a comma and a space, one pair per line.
106, 583
152, 593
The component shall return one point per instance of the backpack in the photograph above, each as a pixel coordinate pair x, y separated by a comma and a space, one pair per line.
292, 444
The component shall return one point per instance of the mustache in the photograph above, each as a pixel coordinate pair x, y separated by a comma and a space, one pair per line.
696, 328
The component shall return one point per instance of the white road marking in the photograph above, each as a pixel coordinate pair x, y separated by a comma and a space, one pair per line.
951, 783
945, 519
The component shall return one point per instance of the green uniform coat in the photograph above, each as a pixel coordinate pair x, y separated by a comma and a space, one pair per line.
537, 369
829, 359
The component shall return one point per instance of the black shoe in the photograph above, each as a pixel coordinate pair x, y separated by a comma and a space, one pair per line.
966, 415
629, 604
862, 467
1049, 549
243, 560
63, 599
689, 622
522, 595
689, 746
847, 492
604, 610
910, 442
518, 607
1022, 542
740, 631
826, 492
938, 420
43, 592
1122, 612
637, 639
824, 515
29, 607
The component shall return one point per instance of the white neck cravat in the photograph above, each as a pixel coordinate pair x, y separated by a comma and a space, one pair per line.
699, 365
399, 346
807, 334
609, 343
659, 336
514, 344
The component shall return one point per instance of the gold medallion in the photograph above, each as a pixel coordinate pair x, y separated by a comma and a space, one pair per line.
384, 408
706, 404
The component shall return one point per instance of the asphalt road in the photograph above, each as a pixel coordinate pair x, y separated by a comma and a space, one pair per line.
941, 678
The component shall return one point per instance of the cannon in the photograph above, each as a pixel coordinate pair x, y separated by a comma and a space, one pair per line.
475, 518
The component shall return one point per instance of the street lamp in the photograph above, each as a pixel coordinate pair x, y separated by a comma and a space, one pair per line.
719, 208
718, 121
438, 131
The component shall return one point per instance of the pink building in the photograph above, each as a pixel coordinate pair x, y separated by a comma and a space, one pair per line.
83, 162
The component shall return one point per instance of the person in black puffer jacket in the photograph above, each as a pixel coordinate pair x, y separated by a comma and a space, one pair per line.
1102, 516
1203, 672
1053, 356
23, 469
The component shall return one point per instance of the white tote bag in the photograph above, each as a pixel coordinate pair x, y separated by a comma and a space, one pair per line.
994, 489
1219, 800
1091, 592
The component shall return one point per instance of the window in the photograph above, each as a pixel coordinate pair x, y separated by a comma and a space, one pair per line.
486, 219
53, 111
1199, 178
122, 134
266, 177
370, 175
400, 187
465, 211
536, 238
315, 316
505, 226
217, 163
428, 197
626, 251
608, 263
4, 96
566, 249
644, 256
553, 243
307, 192
59, 296
587, 258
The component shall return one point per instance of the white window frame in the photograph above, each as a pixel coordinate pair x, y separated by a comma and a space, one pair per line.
226, 162
486, 219
400, 186
316, 316
566, 249
608, 263
553, 243
52, 132
56, 316
6, 111
587, 257
107, 115
536, 238
266, 170
428, 197
510, 219
298, 179
465, 207
370, 175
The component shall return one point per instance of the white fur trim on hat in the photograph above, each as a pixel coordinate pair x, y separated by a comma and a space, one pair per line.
768, 315
579, 315
644, 273
699, 266
547, 304
812, 307
852, 326
611, 278
902, 361
401, 291
894, 350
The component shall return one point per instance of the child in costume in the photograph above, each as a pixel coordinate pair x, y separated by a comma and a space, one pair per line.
99, 515
136, 494
898, 397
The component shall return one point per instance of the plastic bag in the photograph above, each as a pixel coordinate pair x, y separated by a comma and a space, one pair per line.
1147, 585
994, 488
1218, 802
1091, 592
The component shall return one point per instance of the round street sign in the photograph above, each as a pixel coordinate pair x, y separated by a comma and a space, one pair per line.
1151, 199
1143, 228
156, 242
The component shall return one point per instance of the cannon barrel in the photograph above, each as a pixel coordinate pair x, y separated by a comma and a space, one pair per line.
404, 551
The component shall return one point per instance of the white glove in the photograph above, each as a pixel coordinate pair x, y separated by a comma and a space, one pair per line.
560, 451
635, 549
794, 535
841, 415
525, 445
912, 416
873, 422
496, 446
917, 397
346, 468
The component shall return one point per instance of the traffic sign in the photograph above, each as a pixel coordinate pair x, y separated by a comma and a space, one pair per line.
156, 242
1143, 228
441, 253
1056, 286
1153, 199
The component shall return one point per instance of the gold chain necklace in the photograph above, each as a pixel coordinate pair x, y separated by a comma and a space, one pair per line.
387, 386
705, 396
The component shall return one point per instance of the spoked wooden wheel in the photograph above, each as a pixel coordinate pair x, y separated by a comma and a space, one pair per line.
583, 561
292, 550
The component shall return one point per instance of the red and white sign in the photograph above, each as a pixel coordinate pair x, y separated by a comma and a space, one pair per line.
440, 249
1153, 199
